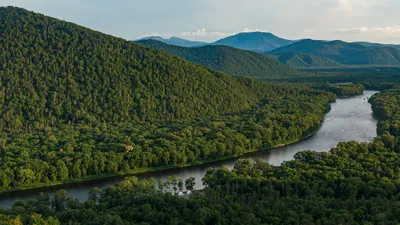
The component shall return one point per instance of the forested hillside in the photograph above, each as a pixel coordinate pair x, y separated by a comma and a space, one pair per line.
345, 53
230, 60
76, 103
54, 72
301, 60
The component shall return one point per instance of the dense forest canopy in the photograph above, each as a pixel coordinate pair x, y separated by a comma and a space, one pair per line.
302, 60
76, 103
53, 72
354, 183
227, 59
342, 90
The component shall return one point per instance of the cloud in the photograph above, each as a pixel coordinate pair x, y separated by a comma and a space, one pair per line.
308, 31
248, 30
373, 30
353, 4
355, 30
150, 35
203, 33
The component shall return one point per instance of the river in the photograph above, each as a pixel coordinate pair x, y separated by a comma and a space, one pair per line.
349, 119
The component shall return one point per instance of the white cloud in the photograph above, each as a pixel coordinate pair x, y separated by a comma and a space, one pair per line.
353, 4
205, 33
150, 35
248, 30
376, 30
308, 31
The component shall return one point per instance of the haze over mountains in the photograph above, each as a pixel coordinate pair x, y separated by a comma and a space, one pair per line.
227, 59
255, 41
306, 53
369, 44
176, 41
344, 53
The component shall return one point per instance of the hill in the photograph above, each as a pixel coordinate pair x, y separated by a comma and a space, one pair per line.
176, 41
230, 60
302, 60
344, 53
53, 72
76, 103
254, 41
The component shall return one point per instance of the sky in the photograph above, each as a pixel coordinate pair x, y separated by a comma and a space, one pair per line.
210, 20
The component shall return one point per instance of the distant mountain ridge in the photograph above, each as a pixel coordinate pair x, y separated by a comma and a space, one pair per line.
176, 41
254, 41
369, 44
227, 59
310, 53
344, 53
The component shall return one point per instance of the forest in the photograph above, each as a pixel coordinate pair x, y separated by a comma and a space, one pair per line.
354, 183
342, 89
77, 103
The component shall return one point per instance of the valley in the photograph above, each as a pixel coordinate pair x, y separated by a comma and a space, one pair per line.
353, 115
97, 129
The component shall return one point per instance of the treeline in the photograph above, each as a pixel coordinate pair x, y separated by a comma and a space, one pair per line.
354, 183
387, 108
372, 78
342, 90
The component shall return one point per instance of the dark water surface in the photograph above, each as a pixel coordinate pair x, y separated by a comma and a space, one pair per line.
349, 119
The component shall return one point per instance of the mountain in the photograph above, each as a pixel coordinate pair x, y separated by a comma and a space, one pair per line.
301, 60
254, 41
227, 59
344, 53
369, 44
54, 72
175, 41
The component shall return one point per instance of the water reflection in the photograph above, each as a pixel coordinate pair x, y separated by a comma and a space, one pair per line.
349, 119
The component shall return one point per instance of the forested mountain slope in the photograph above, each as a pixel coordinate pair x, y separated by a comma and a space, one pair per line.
76, 103
302, 60
52, 72
344, 53
230, 60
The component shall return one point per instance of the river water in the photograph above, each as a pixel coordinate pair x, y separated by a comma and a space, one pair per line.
349, 119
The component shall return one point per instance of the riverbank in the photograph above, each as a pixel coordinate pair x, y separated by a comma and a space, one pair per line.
141, 171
